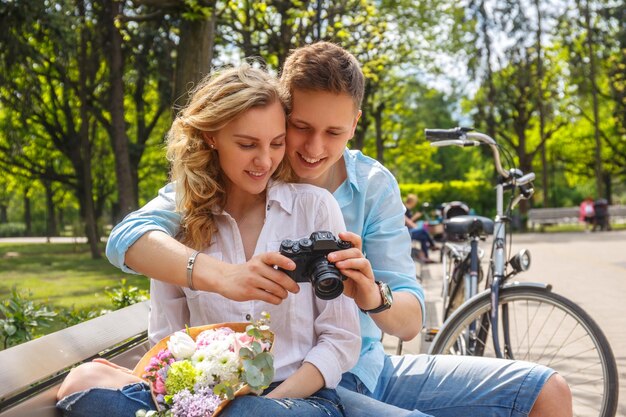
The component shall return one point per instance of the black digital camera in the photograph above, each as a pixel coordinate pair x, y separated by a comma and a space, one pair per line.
309, 254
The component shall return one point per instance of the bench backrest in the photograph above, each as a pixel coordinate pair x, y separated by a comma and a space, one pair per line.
31, 372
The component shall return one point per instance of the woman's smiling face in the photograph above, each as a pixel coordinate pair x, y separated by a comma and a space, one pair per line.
251, 147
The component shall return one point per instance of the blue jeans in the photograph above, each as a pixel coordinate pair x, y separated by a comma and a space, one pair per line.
324, 403
125, 402
423, 237
446, 386
107, 402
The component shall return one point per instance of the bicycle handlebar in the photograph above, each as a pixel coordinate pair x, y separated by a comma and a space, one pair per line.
462, 136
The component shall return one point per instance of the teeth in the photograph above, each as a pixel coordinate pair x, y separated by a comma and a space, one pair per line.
255, 174
311, 160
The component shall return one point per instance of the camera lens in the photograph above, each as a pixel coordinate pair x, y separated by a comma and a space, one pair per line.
326, 279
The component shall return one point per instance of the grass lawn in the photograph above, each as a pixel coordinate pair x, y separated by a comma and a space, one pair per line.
61, 275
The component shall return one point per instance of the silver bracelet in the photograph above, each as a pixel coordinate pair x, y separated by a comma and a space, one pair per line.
190, 263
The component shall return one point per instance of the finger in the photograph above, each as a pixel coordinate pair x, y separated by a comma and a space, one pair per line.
261, 295
276, 259
271, 282
352, 238
345, 254
360, 264
283, 280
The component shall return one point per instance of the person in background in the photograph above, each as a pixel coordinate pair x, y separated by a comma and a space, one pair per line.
587, 213
417, 229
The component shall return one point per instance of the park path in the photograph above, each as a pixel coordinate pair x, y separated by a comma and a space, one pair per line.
588, 268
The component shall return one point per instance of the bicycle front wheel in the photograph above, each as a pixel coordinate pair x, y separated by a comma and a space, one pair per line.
539, 326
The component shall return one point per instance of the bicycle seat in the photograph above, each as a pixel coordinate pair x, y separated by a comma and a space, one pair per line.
469, 226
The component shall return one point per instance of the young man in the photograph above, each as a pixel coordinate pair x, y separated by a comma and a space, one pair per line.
327, 87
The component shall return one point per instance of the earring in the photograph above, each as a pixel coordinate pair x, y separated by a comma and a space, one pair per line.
212, 146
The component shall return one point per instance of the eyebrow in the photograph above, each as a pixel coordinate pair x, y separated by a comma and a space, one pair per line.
296, 120
242, 136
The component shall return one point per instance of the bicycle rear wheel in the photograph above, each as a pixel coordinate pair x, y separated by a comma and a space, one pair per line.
539, 326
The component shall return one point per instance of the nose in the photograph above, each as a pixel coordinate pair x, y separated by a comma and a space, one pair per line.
263, 159
314, 144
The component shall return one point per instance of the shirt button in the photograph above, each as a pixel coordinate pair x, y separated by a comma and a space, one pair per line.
248, 317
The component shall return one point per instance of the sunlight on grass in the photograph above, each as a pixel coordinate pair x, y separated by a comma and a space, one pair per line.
61, 275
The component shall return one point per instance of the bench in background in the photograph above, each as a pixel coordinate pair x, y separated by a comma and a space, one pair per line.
567, 215
31, 373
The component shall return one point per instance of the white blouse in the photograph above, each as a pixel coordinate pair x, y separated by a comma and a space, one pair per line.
323, 333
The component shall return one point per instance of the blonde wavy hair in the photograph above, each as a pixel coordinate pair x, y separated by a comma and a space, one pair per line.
195, 169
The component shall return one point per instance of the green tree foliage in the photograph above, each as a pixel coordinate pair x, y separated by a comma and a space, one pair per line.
87, 88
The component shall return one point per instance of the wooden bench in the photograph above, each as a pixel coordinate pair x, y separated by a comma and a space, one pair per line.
568, 215
31, 373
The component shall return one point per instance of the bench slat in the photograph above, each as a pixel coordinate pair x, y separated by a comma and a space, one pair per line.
41, 358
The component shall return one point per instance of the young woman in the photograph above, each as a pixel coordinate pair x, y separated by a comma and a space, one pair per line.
226, 149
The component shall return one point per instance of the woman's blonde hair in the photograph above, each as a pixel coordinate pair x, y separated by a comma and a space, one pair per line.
200, 181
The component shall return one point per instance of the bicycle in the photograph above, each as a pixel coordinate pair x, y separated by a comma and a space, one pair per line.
530, 322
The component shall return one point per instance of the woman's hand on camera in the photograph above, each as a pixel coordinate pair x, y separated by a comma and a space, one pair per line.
259, 279
360, 284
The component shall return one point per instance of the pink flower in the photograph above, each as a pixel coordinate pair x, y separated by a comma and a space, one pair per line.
242, 340
209, 336
159, 385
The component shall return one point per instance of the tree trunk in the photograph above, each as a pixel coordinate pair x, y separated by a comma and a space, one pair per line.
120, 141
378, 121
195, 54
4, 218
594, 95
541, 108
491, 91
28, 220
51, 224
82, 159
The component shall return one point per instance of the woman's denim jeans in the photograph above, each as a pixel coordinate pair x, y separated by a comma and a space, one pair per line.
104, 402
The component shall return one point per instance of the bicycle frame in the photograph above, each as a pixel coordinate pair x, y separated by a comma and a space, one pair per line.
465, 137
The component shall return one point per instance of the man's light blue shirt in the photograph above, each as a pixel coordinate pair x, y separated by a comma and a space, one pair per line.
372, 208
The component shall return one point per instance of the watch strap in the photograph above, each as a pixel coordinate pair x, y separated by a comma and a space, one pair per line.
386, 304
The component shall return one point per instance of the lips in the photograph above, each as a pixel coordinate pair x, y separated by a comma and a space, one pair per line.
310, 162
257, 174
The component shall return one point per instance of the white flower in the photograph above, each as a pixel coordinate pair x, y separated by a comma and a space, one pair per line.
181, 345
222, 367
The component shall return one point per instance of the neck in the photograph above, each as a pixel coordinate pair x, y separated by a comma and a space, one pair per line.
335, 175
248, 206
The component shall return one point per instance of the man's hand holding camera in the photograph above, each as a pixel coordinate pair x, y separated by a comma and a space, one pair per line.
353, 264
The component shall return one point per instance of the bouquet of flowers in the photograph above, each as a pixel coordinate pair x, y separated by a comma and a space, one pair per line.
197, 371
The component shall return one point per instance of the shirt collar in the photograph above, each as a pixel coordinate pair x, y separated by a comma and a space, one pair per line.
350, 161
282, 194
277, 191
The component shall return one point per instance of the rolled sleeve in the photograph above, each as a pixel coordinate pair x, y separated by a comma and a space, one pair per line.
159, 214
339, 341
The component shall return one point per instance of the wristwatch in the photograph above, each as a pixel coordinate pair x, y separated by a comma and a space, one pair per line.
387, 296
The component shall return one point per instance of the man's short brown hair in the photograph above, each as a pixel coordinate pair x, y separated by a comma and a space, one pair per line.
324, 66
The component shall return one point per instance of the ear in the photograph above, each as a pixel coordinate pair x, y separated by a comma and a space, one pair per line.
354, 123
209, 139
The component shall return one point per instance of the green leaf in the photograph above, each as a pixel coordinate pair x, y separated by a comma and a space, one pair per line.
259, 372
